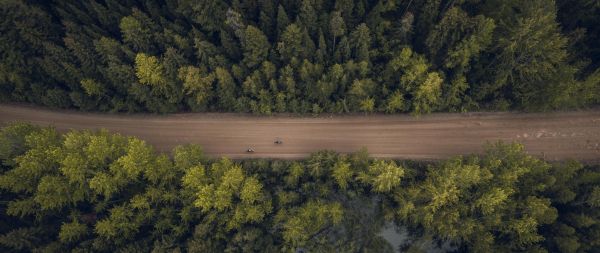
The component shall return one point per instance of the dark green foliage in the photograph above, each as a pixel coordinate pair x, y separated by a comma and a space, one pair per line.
168, 56
576, 195
581, 20
531, 57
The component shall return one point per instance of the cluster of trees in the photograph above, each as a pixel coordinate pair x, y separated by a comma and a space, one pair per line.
94, 191
303, 56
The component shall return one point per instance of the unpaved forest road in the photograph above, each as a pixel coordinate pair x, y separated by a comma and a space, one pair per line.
558, 135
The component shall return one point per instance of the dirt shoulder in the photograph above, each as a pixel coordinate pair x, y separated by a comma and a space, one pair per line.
555, 136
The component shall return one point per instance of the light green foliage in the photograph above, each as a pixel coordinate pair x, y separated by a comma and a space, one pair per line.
488, 204
73, 231
118, 225
301, 224
367, 105
413, 66
92, 87
86, 152
254, 84
53, 193
40, 158
361, 88
382, 175
491, 200
137, 158
160, 171
149, 71
196, 84
395, 103
136, 30
83, 171
102, 148
342, 173
296, 171
139, 202
290, 44
103, 184
251, 191
256, 46
230, 183
415, 78
427, 95
188, 156
227, 191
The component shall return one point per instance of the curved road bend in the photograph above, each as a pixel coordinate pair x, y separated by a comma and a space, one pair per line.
555, 136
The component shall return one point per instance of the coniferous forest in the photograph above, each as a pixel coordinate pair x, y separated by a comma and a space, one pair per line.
301, 56
96, 191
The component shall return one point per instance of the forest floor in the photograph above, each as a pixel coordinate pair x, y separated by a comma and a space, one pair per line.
555, 136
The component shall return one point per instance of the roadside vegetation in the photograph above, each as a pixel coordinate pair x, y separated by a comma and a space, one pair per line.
301, 56
88, 191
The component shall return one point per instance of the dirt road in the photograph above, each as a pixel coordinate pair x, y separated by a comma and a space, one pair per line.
556, 136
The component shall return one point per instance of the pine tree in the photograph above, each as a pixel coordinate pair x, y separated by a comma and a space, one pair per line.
282, 21
201, 86
72, 232
256, 47
225, 89
321, 49
308, 16
290, 44
137, 30
504, 213
530, 56
361, 41
337, 27
208, 14
149, 70
494, 54
428, 94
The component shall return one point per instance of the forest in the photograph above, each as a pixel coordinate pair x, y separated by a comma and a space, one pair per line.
94, 191
98, 191
301, 56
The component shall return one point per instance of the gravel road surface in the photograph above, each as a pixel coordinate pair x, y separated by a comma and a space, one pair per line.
555, 136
